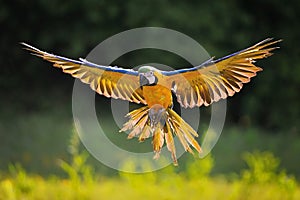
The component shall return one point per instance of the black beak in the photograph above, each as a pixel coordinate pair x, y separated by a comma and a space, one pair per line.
143, 80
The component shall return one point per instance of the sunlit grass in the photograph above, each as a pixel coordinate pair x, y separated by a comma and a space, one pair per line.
261, 178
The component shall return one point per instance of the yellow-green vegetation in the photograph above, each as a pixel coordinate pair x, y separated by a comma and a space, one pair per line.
260, 180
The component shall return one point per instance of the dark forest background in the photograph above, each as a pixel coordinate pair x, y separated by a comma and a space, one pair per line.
35, 103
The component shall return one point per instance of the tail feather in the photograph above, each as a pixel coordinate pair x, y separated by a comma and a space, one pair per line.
181, 123
139, 125
146, 132
181, 137
170, 142
135, 116
185, 129
157, 141
137, 111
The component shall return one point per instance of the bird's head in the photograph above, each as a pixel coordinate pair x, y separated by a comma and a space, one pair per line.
147, 76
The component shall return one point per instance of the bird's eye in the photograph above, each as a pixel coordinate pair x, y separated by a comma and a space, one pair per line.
151, 73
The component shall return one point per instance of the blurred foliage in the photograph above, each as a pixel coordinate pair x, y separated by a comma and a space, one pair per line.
78, 170
162, 184
263, 168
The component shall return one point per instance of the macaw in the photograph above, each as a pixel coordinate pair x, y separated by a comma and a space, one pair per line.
158, 90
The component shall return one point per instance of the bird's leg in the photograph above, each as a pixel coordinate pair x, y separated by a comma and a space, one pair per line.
157, 118
157, 115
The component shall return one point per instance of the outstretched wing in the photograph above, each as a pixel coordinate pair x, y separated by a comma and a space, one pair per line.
218, 79
109, 81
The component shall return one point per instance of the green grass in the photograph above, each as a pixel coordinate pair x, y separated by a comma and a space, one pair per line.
261, 178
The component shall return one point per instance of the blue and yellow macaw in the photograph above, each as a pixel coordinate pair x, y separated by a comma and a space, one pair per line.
201, 85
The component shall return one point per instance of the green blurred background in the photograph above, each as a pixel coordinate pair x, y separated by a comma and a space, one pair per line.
36, 115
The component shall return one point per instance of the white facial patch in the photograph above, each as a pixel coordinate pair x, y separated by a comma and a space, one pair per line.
151, 79
150, 76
